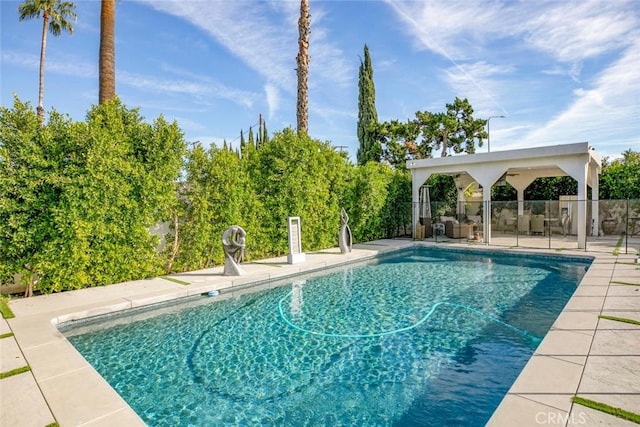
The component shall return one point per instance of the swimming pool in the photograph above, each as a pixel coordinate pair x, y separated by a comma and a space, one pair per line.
419, 337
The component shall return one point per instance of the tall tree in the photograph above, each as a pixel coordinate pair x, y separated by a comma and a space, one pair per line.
243, 143
251, 141
265, 134
107, 60
56, 16
456, 129
304, 28
370, 148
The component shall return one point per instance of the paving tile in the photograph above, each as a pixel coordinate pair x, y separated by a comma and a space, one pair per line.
562, 342
92, 310
601, 273
594, 281
10, 355
611, 374
629, 402
246, 280
585, 303
583, 416
613, 324
616, 342
516, 410
624, 291
21, 403
80, 396
621, 303
557, 401
158, 297
200, 276
4, 326
53, 359
576, 360
576, 320
124, 417
631, 275
546, 374
34, 330
591, 291
66, 300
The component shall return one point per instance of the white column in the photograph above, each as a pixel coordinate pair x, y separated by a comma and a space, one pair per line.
486, 210
595, 200
520, 202
582, 210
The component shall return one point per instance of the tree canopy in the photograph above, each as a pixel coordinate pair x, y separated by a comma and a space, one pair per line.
453, 130
620, 179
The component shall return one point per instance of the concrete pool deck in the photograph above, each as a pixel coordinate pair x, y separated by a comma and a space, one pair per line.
582, 354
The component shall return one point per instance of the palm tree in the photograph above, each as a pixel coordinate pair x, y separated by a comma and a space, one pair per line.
304, 28
107, 60
56, 15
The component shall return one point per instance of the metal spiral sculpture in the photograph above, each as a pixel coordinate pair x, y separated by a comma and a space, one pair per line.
346, 238
233, 242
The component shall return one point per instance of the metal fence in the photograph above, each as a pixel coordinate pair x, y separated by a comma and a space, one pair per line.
547, 224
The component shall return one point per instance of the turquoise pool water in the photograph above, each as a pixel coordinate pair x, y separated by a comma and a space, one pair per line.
417, 338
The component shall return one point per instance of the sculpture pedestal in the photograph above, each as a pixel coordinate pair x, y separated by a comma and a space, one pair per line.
295, 241
296, 258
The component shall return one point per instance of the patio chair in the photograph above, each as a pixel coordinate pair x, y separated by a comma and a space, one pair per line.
523, 224
507, 221
563, 225
537, 224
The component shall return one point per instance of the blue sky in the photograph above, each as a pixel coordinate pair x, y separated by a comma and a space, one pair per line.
560, 71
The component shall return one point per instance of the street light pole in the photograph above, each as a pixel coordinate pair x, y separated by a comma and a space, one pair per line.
488, 132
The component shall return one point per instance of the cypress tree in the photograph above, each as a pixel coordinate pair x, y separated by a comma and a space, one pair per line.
251, 141
265, 134
369, 149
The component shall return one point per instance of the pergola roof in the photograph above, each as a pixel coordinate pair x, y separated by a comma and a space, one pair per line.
520, 168
538, 161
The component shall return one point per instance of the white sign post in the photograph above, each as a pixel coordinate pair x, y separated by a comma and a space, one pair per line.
295, 241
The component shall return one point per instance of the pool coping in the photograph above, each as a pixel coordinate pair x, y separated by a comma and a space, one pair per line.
77, 395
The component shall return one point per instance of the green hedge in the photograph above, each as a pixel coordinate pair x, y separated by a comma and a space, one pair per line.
79, 198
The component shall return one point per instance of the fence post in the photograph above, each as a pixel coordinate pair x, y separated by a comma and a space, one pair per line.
548, 209
626, 231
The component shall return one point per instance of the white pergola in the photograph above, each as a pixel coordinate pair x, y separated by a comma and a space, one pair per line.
521, 168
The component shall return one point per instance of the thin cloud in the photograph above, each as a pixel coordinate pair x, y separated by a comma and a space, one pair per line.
610, 108
570, 31
573, 31
467, 79
273, 98
439, 26
199, 89
243, 28
572, 72
68, 65
261, 34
